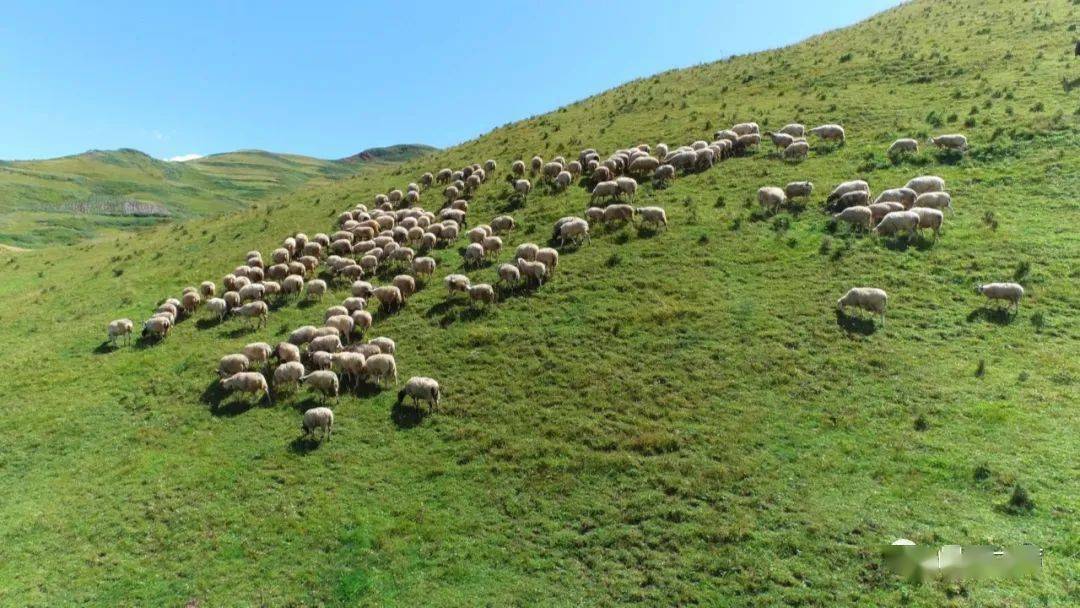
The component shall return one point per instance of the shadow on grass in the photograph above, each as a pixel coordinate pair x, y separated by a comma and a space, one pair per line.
105, 348
900, 243
949, 157
855, 325
305, 303
305, 444
220, 404
208, 322
995, 315
407, 416
243, 330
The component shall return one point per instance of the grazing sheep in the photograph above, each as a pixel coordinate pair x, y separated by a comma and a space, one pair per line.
664, 173
563, 180
120, 328
381, 368
795, 150
845, 187
316, 288
502, 224
326, 331
549, 258
536, 164
323, 381
904, 196
627, 185
904, 145
594, 214
157, 327
327, 343
288, 374
190, 302
794, 129
746, 141
207, 289
322, 360
1010, 292
780, 140
351, 365
254, 310
419, 388
856, 216
643, 165
247, 382
482, 292
232, 364
652, 215
389, 297
522, 187
926, 183
798, 189
517, 168
456, 282
829, 132
474, 254
423, 266
575, 230
443, 176
934, 200
252, 292
898, 221
618, 213
492, 246
318, 418
343, 323
405, 284
258, 352
533, 270
287, 351
509, 274
292, 284
745, 128
930, 218
851, 199
527, 251
870, 299
880, 210
771, 198
609, 189
362, 321
953, 141
478, 234
232, 299
384, 344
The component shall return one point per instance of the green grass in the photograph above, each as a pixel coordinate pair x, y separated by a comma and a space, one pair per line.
677, 418
37, 197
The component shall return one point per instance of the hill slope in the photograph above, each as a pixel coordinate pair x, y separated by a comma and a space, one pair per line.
63, 200
675, 418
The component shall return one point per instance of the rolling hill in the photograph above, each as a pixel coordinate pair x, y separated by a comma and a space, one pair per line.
679, 417
64, 200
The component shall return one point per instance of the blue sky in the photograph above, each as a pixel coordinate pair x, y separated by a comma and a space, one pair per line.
328, 80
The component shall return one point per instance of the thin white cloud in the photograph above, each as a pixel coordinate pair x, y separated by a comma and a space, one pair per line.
183, 158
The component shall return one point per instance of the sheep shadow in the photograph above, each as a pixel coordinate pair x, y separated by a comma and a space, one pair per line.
855, 325
243, 330
995, 315
900, 243
219, 403
647, 232
304, 445
305, 303
105, 348
144, 342
208, 322
407, 416
949, 157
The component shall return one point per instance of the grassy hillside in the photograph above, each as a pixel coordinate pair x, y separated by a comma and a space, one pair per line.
677, 418
65, 200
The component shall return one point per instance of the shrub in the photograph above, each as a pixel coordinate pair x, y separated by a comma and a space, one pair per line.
1020, 501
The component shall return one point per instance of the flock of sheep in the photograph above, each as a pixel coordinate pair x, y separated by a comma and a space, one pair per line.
387, 239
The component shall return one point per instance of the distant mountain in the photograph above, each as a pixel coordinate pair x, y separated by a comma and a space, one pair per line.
66, 199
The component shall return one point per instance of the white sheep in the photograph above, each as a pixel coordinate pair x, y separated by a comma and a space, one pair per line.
482, 292
794, 129
288, 374
851, 199
898, 221
652, 215
533, 270
247, 382
232, 364
323, 381
934, 200
954, 141
606, 189
829, 132
120, 328
926, 183
618, 213
903, 145
456, 282
254, 310
502, 224
664, 173
381, 368
389, 297
575, 230
207, 289
474, 254
351, 365
798, 189
287, 351
527, 251
930, 218
745, 128
1010, 292
856, 216
302, 335
419, 388
771, 198
509, 274
316, 288
627, 185
325, 343
904, 196
780, 140
870, 299
318, 418
258, 352
549, 258
846, 187
343, 323
880, 210
795, 150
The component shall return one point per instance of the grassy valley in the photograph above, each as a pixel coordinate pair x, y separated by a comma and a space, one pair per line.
679, 417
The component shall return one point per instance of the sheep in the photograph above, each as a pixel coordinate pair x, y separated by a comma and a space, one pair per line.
287, 351
904, 196
522, 187
389, 297
258, 352
517, 168
627, 185
369, 262
845, 187
419, 388
880, 210
405, 284
771, 198
490, 165
856, 216
780, 140
456, 282
851, 199
726, 134
207, 289
232, 364
457, 215
903, 146
509, 274
326, 331
423, 266
798, 189
618, 213
652, 215
351, 365
794, 129
934, 200
870, 299
278, 272
322, 360
549, 258
402, 254
575, 230
829, 132
492, 246
536, 164
502, 224
451, 192
232, 299
746, 141
573, 168
362, 321
443, 176
120, 328
745, 128
482, 292
288, 374
930, 218
898, 221
796, 150
953, 141
1012, 293
594, 214
252, 292
428, 241
327, 343
478, 234
254, 310
563, 180
527, 251
643, 165
663, 174
316, 288
289, 285
532, 270
926, 183
343, 323
247, 382
382, 367
323, 381
190, 302
608, 189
